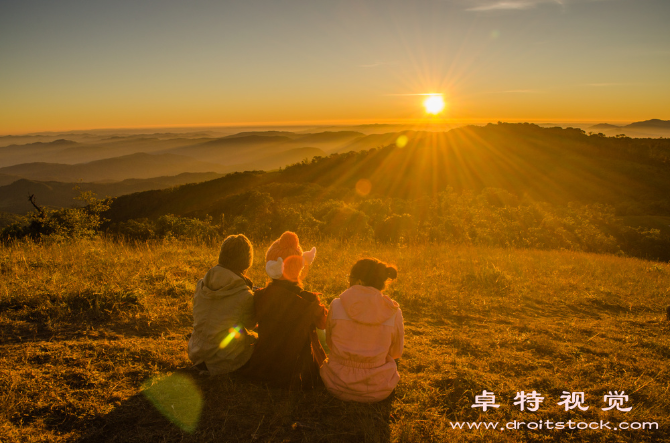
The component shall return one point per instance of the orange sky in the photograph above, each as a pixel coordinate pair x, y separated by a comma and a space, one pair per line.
71, 65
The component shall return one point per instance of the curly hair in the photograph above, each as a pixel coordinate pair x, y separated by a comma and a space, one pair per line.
372, 272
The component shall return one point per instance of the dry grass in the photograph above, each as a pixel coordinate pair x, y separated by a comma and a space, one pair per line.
94, 346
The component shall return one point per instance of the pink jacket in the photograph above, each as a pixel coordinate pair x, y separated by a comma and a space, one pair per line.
364, 332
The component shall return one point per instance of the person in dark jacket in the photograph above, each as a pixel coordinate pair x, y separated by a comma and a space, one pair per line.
288, 352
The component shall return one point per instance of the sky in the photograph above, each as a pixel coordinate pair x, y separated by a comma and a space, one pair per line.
68, 65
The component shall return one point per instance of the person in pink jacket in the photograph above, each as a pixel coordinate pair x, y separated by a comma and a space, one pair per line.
364, 331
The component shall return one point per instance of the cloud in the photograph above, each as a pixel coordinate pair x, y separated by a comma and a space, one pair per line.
511, 5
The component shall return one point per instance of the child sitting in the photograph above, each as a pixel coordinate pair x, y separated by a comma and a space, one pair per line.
288, 352
364, 332
223, 306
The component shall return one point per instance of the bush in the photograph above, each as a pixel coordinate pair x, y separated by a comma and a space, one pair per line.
142, 229
395, 228
346, 222
185, 228
494, 217
296, 219
61, 224
376, 209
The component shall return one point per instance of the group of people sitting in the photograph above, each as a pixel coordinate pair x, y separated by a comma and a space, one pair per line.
363, 327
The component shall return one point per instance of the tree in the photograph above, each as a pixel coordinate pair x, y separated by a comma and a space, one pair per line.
60, 224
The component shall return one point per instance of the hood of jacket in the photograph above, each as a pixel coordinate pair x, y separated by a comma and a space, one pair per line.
222, 282
367, 305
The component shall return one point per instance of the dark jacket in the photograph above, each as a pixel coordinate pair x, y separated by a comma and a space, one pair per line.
288, 352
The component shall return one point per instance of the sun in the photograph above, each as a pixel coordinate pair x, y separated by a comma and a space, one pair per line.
434, 104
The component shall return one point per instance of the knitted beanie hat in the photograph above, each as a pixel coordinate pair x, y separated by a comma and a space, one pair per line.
285, 258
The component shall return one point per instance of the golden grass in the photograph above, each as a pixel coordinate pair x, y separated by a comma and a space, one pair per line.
85, 327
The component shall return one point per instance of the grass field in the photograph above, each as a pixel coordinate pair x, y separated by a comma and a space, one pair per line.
94, 334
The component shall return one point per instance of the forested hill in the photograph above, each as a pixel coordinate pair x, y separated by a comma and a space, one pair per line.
551, 165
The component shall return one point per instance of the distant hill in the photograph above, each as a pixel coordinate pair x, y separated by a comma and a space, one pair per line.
60, 156
221, 155
51, 193
330, 139
646, 129
139, 165
375, 128
253, 148
377, 140
264, 134
605, 126
37, 151
653, 123
6, 179
244, 148
72, 152
119, 146
7, 140
545, 164
279, 160
14, 196
234, 150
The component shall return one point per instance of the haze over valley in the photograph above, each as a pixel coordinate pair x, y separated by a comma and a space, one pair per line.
118, 163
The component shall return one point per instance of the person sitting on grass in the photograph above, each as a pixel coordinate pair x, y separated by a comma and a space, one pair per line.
288, 352
223, 310
365, 333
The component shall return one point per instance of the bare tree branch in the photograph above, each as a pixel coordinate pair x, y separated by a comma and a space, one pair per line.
31, 198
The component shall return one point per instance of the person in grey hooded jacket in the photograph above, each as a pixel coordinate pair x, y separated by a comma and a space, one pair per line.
223, 310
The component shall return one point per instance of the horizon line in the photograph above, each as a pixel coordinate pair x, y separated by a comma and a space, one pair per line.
268, 124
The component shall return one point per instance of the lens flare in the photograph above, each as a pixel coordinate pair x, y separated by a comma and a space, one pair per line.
401, 142
434, 104
233, 333
177, 397
363, 186
321, 333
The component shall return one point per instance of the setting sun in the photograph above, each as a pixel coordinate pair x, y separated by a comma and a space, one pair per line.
434, 104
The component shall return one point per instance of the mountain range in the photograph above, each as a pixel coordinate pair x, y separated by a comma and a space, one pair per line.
648, 128
14, 196
95, 158
552, 165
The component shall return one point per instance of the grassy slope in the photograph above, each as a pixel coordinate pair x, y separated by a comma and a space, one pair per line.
83, 327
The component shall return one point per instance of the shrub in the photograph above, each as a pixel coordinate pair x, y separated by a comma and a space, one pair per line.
376, 209
346, 222
185, 228
395, 228
296, 219
61, 224
142, 229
